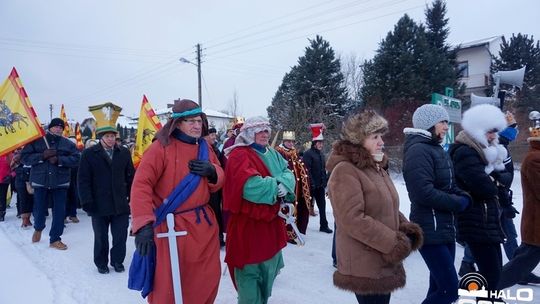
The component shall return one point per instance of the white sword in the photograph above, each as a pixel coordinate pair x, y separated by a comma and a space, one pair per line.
171, 234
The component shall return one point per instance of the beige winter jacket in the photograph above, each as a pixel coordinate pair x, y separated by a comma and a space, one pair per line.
371, 239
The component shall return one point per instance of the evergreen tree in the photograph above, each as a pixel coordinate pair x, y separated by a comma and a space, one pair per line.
313, 91
516, 53
442, 59
398, 71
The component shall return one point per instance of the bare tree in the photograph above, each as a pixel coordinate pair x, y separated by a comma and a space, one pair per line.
233, 104
354, 77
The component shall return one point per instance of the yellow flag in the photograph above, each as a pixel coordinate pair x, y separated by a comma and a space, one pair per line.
19, 124
148, 126
78, 137
67, 128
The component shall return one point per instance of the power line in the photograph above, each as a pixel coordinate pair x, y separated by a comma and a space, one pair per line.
310, 25
314, 33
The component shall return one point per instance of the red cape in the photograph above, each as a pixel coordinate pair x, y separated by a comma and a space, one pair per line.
255, 233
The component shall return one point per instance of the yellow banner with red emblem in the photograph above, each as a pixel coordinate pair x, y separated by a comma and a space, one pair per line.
147, 128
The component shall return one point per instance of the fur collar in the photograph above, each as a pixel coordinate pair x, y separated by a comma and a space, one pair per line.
343, 150
421, 132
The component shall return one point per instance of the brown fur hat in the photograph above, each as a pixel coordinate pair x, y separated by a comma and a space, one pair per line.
357, 127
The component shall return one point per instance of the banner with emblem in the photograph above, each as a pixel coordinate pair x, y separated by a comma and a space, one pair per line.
147, 128
19, 124
78, 137
67, 127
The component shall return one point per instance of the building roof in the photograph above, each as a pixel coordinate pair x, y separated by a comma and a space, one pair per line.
479, 42
208, 112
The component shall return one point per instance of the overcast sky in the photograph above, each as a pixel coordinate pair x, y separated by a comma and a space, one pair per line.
83, 53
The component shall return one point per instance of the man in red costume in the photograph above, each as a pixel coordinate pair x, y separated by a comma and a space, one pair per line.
172, 157
258, 178
302, 193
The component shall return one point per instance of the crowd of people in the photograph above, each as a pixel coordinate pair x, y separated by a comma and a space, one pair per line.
251, 198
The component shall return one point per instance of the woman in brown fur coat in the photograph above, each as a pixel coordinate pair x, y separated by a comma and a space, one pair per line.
373, 237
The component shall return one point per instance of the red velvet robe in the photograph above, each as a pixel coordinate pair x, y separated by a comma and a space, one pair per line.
161, 169
255, 232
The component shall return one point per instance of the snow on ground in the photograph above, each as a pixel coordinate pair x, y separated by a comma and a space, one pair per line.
35, 273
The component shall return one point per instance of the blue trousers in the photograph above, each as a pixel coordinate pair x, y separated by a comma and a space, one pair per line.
41, 202
518, 268
443, 280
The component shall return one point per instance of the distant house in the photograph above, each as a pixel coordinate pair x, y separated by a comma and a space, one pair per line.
474, 62
216, 119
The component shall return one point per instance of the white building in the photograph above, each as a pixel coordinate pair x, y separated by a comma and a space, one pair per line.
216, 119
474, 61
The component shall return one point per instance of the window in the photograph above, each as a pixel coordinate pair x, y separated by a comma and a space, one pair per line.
463, 69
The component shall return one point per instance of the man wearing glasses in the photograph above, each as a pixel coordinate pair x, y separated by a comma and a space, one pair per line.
179, 156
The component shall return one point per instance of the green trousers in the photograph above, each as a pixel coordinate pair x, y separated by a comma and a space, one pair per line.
255, 281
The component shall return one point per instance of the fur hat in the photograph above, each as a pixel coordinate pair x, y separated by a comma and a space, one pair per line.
56, 122
357, 127
480, 119
429, 115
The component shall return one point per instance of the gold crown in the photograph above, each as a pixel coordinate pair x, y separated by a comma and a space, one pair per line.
238, 120
106, 115
289, 135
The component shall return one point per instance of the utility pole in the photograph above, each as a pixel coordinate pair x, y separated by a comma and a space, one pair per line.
199, 73
50, 111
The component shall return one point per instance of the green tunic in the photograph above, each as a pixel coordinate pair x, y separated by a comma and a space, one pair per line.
255, 281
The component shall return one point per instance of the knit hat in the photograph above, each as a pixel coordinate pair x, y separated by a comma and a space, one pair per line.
181, 110
429, 115
359, 126
56, 122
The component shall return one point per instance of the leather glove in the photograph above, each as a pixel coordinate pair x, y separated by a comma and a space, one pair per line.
144, 239
203, 168
49, 153
53, 160
281, 190
509, 211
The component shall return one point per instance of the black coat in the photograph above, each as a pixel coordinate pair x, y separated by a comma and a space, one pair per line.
45, 174
480, 223
104, 185
434, 196
315, 163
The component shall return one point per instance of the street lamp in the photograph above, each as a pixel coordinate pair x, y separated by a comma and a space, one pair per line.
198, 65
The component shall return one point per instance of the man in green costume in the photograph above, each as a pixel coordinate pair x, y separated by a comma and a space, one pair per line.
257, 180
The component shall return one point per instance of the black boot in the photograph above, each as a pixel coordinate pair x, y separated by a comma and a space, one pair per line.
465, 268
2, 216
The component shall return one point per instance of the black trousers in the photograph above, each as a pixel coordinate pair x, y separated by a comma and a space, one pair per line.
525, 259
319, 196
373, 299
215, 204
24, 199
119, 231
488, 257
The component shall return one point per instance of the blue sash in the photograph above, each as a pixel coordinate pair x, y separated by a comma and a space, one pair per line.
142, 268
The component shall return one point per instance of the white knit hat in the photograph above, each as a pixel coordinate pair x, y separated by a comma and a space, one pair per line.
429, 115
